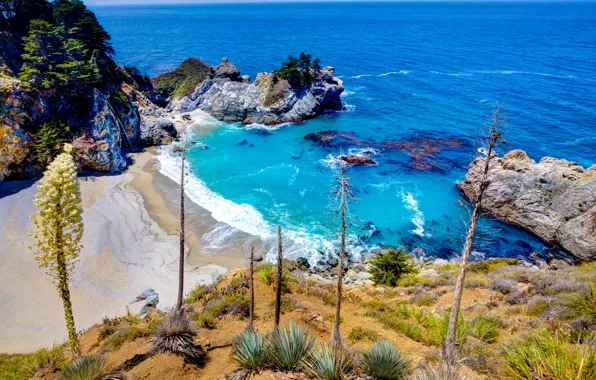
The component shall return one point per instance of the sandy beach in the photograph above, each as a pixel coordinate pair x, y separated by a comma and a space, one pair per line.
130, 241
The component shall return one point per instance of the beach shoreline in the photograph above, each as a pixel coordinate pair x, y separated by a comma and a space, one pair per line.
130, 240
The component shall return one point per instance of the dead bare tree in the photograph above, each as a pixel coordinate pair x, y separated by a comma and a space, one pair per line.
279, 279
342, 193
182, 231
251, 285
492, 138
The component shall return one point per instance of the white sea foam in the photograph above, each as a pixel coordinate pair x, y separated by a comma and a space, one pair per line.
349, 107
452, 74
400, 72
411, 204
517, 72
361, 76
347, 93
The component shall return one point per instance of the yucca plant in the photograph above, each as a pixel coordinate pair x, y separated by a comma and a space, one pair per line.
328, 362
288, 346
441, 372
486, 328
583, 304
175, 335
384, 362
249, 350
90, 368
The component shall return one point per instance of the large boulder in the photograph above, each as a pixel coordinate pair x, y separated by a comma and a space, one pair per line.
269, 100
157, 131
554, 199
226, 72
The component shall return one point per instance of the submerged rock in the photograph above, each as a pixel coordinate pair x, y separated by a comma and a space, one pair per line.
554, 199
357, 160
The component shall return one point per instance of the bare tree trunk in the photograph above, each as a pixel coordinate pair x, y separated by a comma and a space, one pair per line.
279, 277
64, 290
182, 232
336, 336
250, 326
449, 346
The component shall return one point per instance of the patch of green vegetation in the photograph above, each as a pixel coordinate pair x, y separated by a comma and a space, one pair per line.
330, 317
537, 308
268, 274
486, 328
49, 140
549, 355
231, 303
583, 305
390, 266
198, 293
299, 71
183, 80
105, 332
359, 333
127, 334
492, 265
287, 304
23, 366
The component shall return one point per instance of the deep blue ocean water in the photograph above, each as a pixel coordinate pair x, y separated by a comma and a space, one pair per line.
411, 70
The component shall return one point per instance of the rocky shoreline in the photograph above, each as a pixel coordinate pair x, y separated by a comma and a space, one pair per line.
555, 199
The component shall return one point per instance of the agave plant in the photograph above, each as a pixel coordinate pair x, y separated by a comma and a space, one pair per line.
328, 362
288, 346
441, 372
175, 335
384, 362
249, 350
90, 368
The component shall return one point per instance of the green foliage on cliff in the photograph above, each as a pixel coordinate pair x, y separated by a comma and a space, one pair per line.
388, 268
183, 80
49, 140
299, 71
55, 44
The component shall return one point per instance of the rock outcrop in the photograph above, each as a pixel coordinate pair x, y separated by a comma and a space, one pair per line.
554, 199
357, 160
269, 100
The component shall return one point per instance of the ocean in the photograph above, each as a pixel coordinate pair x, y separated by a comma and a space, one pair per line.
413, 73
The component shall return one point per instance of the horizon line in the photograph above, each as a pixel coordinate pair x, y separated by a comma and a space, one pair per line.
228, 2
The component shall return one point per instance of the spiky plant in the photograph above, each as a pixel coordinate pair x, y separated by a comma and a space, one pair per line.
384, 362
328, 362
90, 368
441, 372
288, 346
175, 335
249, 350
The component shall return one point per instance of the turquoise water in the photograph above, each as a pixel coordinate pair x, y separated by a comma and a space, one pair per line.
411, 71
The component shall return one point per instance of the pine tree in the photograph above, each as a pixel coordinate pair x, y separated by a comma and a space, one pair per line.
59, 229
42, 50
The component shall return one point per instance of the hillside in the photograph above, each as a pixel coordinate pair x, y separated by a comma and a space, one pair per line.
508, 307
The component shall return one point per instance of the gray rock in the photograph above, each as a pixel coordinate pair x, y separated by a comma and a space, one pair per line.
226, 72
440, 262
333, 261
555, 199
266, 101
302, 263
157, 131
245, 78
148, 297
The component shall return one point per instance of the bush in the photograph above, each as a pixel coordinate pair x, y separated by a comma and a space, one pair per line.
22, 366
583, 305
268, 274
233, 303
486, 328
503, 286
205, 321
492, 265
90, 368
550, 356
390, 266
198, 293
49, 140
384, 362
328, 362
175, 335
299, 71
359, 333
249, 351
288, 346
105, 332
118, 338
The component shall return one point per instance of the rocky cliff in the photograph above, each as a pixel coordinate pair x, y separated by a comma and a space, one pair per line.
269, 100
554, 199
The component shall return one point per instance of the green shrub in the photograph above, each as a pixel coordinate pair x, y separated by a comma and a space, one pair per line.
328, 362
268, 274
390, 266
359, 333
384, 362
49, 140
287, 347
584, 304
89, 368
234, 304
492, 265
205, 322
537, 308
105, 332
486, 328
249, 351
550, 356
118, 338
330, 317
22, 366
198, 293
